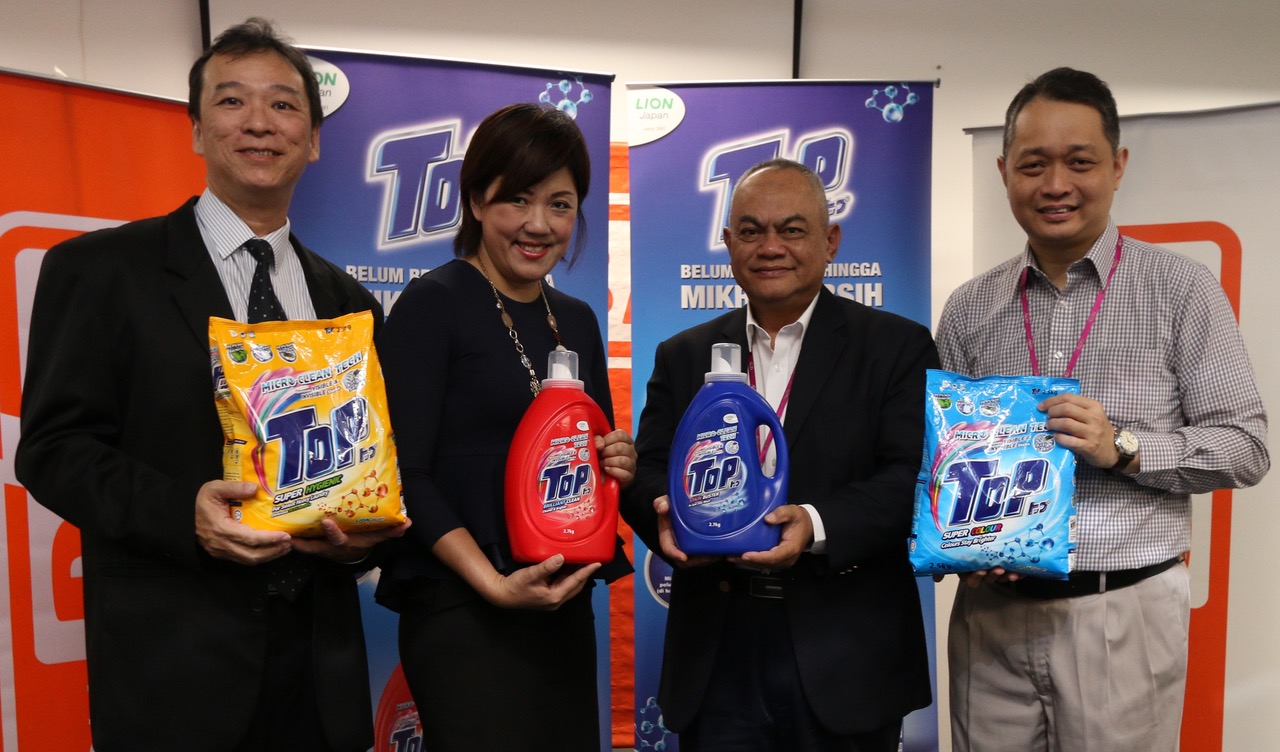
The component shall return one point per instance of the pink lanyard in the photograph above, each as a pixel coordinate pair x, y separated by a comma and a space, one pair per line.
782, 404
1088, 326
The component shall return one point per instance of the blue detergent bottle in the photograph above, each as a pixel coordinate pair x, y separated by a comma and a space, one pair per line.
718, 490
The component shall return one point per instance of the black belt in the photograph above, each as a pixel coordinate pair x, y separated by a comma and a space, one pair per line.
756, 585
1087, 583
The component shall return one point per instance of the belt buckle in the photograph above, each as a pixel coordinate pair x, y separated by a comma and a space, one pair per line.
761, 586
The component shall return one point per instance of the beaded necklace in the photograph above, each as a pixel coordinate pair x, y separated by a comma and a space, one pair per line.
535, 386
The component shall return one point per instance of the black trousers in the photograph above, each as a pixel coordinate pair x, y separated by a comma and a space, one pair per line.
755, 701
288, 714
486, 678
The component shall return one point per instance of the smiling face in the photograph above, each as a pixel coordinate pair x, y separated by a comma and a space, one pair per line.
779, 243
523, 237
255, 134
1061, 175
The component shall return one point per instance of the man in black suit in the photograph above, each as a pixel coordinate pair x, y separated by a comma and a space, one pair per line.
191, 642
818, 643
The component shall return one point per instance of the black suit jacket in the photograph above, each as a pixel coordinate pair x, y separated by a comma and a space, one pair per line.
854, 428
119, 432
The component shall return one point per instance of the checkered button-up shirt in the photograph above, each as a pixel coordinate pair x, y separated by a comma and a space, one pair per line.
1165, 359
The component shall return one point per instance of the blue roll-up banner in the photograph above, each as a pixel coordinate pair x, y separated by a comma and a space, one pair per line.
871, 144
383, 203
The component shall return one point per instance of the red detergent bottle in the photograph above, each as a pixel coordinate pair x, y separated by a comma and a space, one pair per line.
397, 725
718, 490
558, 501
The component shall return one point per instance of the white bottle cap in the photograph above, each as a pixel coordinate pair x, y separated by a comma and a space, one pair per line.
562, 369
726, 363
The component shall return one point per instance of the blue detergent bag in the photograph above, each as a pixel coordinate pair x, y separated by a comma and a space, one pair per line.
995, 489
718, 490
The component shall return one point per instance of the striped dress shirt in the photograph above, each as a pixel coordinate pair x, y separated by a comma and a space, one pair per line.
224, 236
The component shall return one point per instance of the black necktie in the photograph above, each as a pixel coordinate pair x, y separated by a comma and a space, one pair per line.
263, 303
287, 575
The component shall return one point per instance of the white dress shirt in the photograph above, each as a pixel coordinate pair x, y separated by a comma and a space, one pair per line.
224, 236
775, 363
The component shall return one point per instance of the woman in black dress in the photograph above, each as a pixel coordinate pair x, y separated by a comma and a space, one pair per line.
498, 655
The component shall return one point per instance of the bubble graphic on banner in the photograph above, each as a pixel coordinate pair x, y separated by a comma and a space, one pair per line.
653, 112
651, 731
335, 87
891, 109
564, 100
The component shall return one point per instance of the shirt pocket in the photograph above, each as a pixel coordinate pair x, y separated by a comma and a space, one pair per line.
1135, 385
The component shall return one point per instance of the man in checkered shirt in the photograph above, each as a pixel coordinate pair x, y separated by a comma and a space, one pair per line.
1168, 408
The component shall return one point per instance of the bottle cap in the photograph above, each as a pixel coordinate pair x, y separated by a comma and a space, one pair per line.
726, 363
562, 369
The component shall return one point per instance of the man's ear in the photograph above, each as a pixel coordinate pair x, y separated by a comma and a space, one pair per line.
1121, 161
197, 137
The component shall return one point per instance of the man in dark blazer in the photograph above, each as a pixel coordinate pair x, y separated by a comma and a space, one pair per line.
190, 644
817, 644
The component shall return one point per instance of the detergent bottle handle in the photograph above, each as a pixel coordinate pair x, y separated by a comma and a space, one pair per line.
765, 416
600, 427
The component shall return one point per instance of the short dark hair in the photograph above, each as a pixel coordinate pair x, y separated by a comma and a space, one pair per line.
1067, 85
780, 163
253, 36
522, 145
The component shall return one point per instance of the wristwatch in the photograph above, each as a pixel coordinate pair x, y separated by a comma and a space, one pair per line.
1126, 447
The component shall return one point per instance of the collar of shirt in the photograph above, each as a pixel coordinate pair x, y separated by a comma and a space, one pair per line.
224, 232
1101, 254
775, 361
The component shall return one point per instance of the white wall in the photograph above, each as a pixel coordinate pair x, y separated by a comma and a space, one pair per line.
136, 45
1158, 55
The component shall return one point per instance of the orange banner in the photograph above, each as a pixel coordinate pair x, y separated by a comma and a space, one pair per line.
74, 158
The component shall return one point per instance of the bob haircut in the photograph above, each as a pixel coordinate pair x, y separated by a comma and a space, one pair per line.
519, 146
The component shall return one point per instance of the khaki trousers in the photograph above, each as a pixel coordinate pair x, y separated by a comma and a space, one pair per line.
1098, 673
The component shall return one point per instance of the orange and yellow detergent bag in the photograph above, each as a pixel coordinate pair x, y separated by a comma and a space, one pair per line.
304, 413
